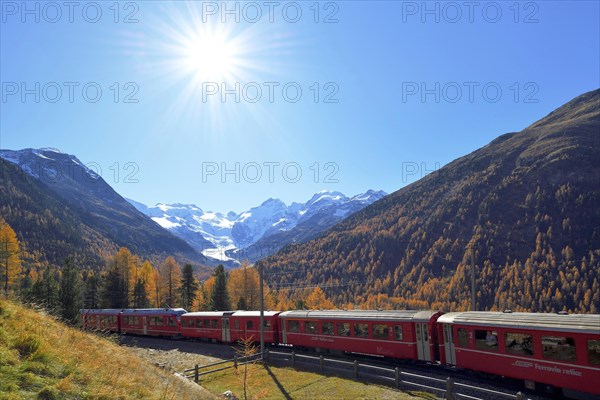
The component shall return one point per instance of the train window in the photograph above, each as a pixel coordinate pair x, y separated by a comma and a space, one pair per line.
171, 322
381, 331
248, 324
519, 343
214, 323
486, 340
267, 324
558, 348
463, 338
310, 327
398, 332
294, 326
327, 328
343, 328
198, 323
361, 330
594, 351
236, 324
206, 323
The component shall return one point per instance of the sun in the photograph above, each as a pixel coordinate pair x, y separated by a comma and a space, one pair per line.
211, 56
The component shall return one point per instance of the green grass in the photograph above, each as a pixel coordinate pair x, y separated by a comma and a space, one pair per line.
281, 383
41, 358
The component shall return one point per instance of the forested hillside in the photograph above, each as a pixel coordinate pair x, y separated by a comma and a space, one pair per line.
60, 209
528, 203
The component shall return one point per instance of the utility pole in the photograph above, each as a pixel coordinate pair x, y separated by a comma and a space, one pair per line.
473, 297
262, 312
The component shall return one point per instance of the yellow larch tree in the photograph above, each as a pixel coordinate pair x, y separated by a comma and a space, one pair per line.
147, 276
317, 300
243, 288
9, 256
284, 300
170, 281
155, 292
134, 266
202, 300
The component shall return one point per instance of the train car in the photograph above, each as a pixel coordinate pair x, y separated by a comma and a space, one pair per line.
561, 351
246, 325
213, 325
106, 320
390, 333
152, 321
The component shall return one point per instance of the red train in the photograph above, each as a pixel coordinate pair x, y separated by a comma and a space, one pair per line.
561, 351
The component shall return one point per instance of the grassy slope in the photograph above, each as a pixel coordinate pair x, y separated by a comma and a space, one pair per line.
279, 383
43, 358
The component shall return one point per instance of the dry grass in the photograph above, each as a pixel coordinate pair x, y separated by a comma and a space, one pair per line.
268, 382
41, 358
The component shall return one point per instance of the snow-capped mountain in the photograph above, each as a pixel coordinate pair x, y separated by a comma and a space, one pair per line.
228, 237
48, 164
79, 212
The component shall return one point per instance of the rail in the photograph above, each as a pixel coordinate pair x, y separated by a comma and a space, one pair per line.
449, 388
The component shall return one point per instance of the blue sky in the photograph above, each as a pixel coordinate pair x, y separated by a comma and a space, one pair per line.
353, 95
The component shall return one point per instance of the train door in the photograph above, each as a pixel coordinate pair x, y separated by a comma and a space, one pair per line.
449, 345
283, 330
145, 322
423, 350
226, 334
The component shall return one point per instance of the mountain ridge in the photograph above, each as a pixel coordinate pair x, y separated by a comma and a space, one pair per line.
57, 193
527, 201
233, 237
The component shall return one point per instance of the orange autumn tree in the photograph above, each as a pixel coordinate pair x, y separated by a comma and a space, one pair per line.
243, 288
10, 259
317, 300
170, 281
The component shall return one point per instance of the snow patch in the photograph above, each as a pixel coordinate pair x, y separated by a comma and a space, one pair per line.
165, 223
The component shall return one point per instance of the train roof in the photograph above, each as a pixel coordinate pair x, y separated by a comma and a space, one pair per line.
208, 314
134, 311
255, 313
384, 315
103, 311
536, 321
